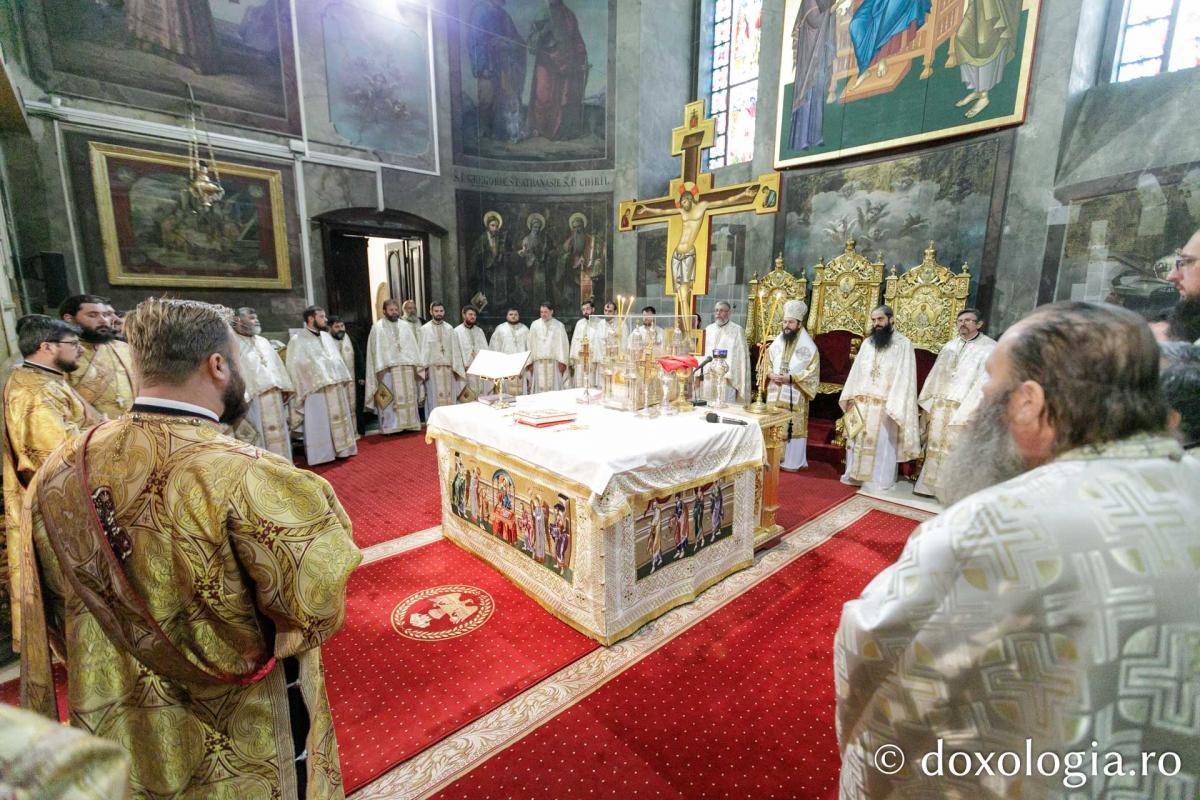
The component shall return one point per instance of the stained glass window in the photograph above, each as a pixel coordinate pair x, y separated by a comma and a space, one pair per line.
1157, 36
733, 98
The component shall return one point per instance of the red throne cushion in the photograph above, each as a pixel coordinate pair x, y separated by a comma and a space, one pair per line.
834, 349
925, 362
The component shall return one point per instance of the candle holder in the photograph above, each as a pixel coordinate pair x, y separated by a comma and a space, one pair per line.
501, 400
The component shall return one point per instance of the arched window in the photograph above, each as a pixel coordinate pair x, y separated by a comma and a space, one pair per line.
732, 67
1157, 36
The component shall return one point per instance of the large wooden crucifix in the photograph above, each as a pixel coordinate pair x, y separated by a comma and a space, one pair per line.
691, 204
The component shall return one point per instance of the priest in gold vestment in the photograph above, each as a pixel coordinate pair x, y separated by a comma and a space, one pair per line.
105, 375
951, 394
41, 411
192, 579
393, 360
320, 408
795, 374
1046, 621
880, 401
268, 387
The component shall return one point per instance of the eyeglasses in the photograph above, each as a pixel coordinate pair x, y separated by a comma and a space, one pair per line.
78, 345
1183, 262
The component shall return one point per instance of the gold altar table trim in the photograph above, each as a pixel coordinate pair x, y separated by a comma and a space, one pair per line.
613, 638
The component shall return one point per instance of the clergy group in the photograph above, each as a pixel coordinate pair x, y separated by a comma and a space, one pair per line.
165, 549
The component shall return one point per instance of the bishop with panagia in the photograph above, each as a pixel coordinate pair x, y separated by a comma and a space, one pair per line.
793, 379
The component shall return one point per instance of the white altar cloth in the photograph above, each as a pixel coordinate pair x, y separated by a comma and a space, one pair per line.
604, 449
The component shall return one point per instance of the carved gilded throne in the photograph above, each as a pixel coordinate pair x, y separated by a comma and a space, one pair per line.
845, 290
764, 309
927, 300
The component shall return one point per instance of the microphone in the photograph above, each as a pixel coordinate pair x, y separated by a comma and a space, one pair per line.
713, 417
707, 360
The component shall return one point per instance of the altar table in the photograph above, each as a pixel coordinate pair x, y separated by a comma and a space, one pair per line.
597, 520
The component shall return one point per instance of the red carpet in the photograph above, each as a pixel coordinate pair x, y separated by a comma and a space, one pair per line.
393, 696
675, 725
389, 489
11, 692
806, 495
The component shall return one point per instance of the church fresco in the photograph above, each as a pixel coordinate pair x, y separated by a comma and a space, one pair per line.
1118, 243
154, 236
859, 76
375, 88
682, 524
236, 56
530, 82
519, 250
952, 196
520, 512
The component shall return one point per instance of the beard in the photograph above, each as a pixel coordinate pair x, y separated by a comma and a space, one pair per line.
1184, 324
882, 337
100, 335
790, 336
985, 455
234, 399
392, 317
65, 366
339, 335
469, 323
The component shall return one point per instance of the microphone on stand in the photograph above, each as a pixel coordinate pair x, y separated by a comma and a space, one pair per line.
714, 417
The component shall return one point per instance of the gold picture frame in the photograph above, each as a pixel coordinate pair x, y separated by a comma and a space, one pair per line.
151, 236
913, 93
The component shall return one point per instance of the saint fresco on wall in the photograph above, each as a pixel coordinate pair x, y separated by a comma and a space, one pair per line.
519, 250
858, 76
893, 208
376, 87
530, 81
236, 56
1120, 238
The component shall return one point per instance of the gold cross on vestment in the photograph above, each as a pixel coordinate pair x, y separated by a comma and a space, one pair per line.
688, 228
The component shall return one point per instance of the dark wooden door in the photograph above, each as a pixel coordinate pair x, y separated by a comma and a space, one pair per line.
348, 287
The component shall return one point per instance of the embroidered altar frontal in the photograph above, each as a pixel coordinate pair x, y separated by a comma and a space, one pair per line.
608, 522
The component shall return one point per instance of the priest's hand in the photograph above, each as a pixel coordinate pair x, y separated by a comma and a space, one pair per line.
779, 379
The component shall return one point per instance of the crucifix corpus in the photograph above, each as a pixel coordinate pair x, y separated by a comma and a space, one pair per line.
691, 204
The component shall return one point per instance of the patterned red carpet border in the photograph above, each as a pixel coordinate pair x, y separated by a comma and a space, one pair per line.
654, 715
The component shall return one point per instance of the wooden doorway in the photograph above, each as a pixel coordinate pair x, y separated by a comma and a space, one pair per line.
349, 238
